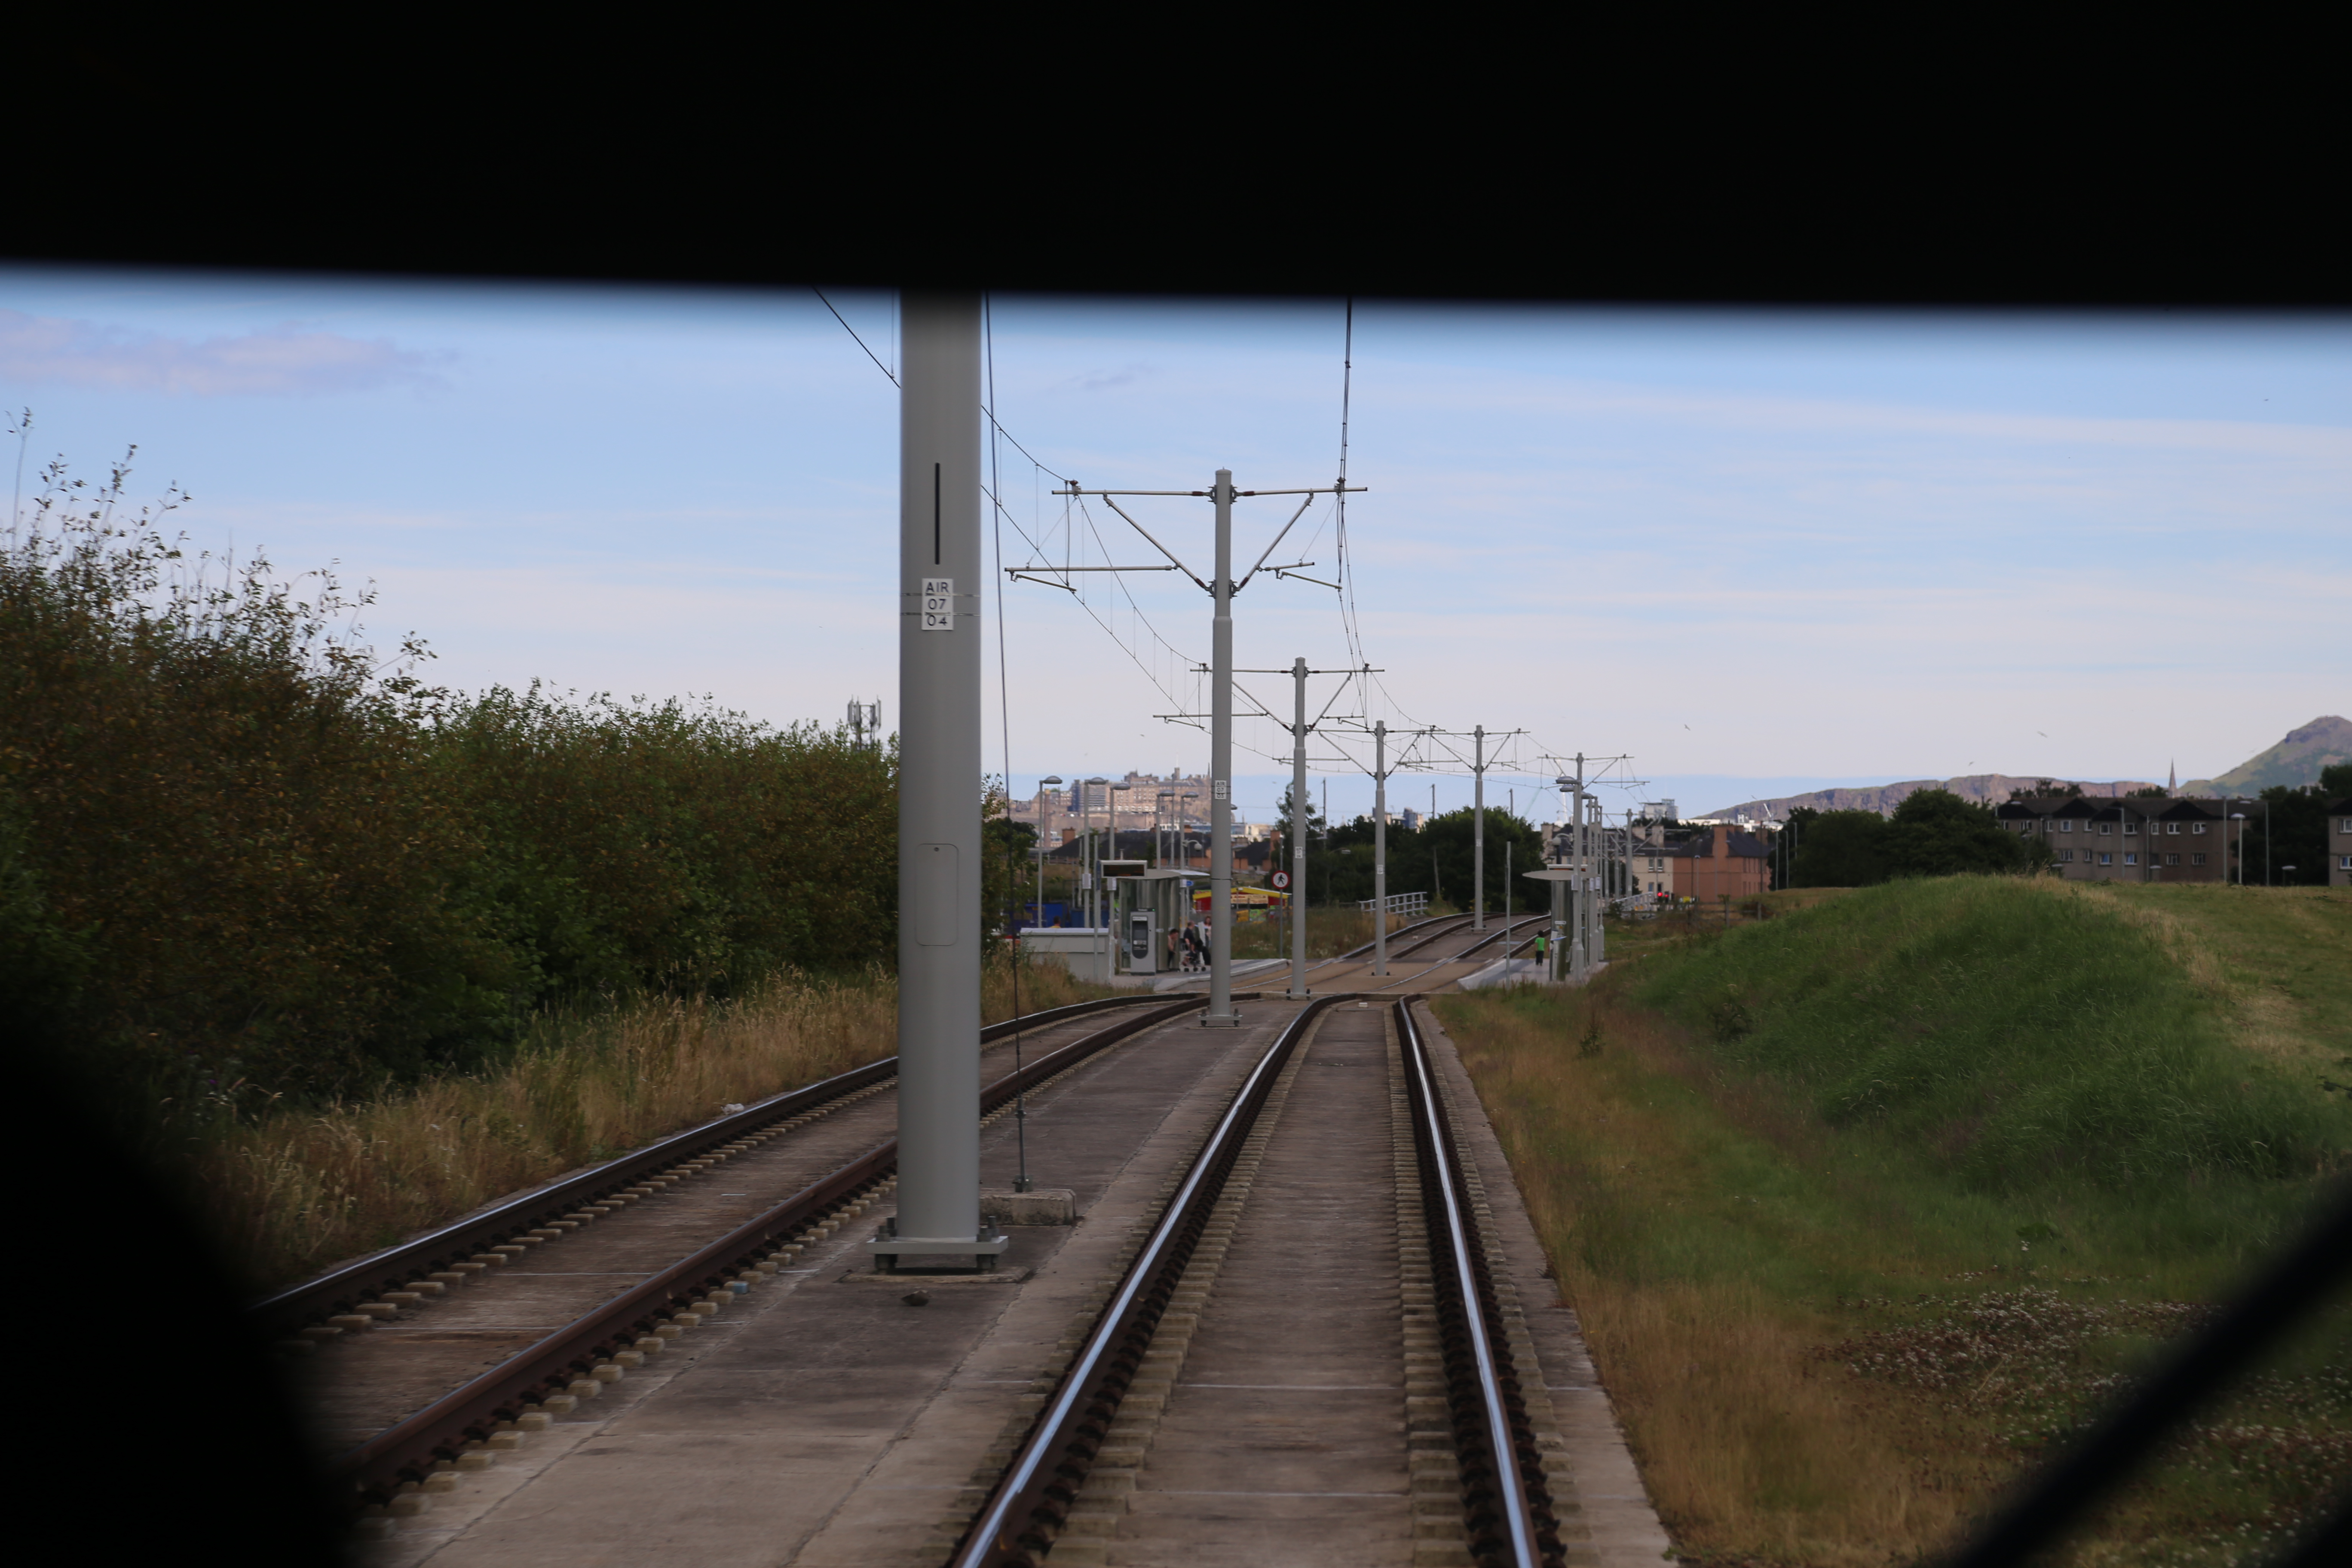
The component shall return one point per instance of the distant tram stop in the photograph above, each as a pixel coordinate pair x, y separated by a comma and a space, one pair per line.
1147, 906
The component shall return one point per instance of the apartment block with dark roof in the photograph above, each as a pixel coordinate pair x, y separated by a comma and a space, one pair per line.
2339, 843
2136, 839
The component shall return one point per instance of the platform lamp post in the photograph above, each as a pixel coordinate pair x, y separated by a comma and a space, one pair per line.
1095, 913
1111, 792
2238, 848
1568, 787
1042, 784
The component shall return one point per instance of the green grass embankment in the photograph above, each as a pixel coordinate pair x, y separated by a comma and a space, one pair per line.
1864, 1207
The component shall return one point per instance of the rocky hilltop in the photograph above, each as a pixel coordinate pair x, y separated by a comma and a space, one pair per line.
2294, 761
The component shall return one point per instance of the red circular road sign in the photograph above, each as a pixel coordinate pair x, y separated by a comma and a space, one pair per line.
1281, 880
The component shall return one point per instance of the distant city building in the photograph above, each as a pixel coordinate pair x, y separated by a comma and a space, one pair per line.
2339, 843
1408, 819
1143, 801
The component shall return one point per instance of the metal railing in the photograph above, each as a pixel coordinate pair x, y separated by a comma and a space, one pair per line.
1399, 903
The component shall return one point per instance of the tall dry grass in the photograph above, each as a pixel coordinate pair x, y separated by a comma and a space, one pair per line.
293, 1190
1749, 1447
1833, 1338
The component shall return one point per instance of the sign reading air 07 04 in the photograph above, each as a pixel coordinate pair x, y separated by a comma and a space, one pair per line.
939, 603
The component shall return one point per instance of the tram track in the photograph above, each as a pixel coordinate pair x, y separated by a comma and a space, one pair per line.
1289, 1321
351, 1296
1430, 968
1420, 932
386, 1379
418, 1407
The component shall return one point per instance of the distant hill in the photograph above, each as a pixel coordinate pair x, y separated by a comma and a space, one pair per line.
2294, 761
1986, 789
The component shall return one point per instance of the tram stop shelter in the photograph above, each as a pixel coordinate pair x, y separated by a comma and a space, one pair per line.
1148, 906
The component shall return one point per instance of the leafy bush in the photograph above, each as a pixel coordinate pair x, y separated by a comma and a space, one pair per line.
235, 845
227, 850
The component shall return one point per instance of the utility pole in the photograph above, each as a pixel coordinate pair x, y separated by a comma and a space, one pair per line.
1477, 816
1298, 832
1221, 763
1221, 589
1577, 965
940, 661
1478, 830
1299, 730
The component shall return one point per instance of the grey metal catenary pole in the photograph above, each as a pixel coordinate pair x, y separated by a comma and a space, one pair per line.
1298, 831
1478, 832
1221, 763
940, 662
1380, 847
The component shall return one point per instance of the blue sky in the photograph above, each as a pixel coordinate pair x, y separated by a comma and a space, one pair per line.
1754, 552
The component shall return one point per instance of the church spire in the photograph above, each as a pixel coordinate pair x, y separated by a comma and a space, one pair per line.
2172, 777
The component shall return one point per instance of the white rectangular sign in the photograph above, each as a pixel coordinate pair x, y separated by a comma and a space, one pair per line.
1220, 789
939, 603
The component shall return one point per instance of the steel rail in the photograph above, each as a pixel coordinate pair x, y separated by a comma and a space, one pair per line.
1442, 963
1016, 1526
1354, 954
342, 1289
1418, 943
470, 1414
1507, 1508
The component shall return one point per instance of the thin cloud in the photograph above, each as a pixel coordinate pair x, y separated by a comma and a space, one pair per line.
284, 361
1104, 380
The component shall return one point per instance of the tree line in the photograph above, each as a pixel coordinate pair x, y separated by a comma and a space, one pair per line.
235, 843
1436, 857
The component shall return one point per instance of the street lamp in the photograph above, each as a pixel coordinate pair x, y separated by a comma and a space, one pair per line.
1048, 779
1091, 857
2239, 846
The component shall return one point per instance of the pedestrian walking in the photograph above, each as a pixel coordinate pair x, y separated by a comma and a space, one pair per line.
1175, 949
1543, 948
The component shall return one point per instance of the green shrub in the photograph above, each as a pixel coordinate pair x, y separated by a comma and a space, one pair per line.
237, 847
